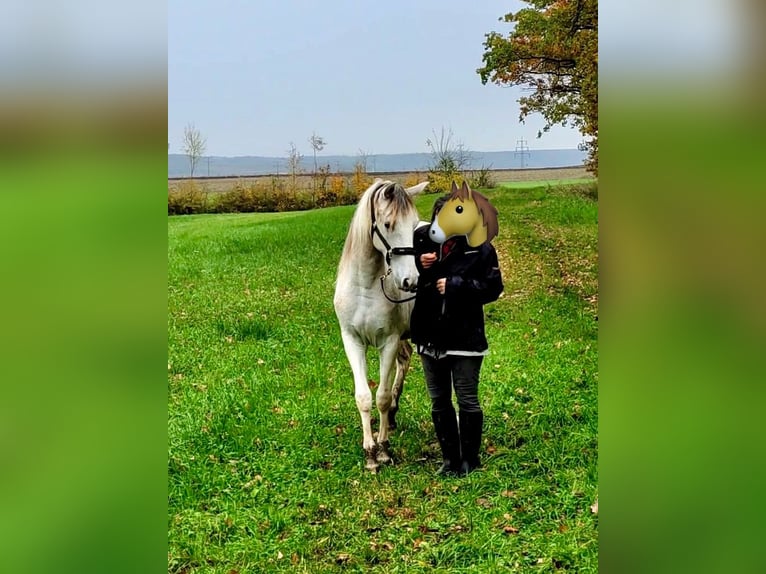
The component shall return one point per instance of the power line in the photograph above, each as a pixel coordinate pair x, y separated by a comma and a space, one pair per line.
522, 149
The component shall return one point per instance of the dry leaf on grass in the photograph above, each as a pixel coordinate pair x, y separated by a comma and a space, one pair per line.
484, 503
342, 558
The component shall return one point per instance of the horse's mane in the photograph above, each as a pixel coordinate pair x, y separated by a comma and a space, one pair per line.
486, 209
359, 241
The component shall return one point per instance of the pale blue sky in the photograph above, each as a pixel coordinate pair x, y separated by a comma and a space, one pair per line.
255, 75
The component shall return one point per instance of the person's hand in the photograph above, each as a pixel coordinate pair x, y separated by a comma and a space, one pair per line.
441, 285
427, 259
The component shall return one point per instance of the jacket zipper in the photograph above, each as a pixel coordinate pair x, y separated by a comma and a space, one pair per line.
444, 297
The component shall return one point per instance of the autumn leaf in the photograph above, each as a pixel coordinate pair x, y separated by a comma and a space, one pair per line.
483, 502
594, 507
342, 558
510, 529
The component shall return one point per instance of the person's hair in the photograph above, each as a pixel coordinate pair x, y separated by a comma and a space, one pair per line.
438, 204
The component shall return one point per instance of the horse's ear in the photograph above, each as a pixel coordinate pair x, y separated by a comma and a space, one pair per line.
389, 193
466, 189
416, 189
454, 187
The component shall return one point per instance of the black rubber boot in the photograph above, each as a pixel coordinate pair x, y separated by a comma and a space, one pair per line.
445, 425
471, 425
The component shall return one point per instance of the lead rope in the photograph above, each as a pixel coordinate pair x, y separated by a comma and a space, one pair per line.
382, 288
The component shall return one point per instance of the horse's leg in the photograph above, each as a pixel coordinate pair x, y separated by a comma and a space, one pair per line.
356, 353
402, 366
384, 397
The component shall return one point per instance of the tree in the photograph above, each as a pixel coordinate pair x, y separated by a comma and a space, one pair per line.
362, 158
448, 157
449, 161
294, 158
553, 50
317, 143
194, 145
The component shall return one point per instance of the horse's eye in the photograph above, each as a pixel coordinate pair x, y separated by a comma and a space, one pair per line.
459, 209
388, 225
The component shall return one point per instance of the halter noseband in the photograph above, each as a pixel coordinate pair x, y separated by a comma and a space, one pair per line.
390, 251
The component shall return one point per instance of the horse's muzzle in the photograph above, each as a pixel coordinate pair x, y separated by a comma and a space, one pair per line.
409, 286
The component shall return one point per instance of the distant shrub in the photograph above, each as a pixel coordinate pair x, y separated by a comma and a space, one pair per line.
361, 180
413, 179
441, 182
482, 177
267, 196
187, 198
242, 199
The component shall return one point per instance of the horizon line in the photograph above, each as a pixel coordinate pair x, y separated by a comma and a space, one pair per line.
527, 150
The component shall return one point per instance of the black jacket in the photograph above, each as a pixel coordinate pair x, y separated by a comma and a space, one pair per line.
454, 321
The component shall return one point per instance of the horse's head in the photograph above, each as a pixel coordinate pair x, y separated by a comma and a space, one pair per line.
393, 219
466, 213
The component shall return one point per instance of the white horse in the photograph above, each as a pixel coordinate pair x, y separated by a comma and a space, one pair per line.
373, 302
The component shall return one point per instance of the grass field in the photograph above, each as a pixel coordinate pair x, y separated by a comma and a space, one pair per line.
545, 183
265, 465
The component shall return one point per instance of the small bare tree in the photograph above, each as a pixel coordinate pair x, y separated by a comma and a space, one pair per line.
448, 157
294, 158
317, 144
194, 145
363, 156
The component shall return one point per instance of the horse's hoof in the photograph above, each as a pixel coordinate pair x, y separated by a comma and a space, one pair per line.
385, 458
372, 458
384, 453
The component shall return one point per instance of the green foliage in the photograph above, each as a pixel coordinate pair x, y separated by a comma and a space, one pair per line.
187, 198
449, 161
265, 466
481, 178
277, 195
441, 182
553, 50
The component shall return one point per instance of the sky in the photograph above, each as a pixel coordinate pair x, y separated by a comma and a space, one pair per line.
381, 77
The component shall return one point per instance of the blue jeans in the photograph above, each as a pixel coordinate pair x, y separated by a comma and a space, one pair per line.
451, 370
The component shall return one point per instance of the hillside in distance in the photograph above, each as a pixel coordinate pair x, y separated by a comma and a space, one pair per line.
215, 166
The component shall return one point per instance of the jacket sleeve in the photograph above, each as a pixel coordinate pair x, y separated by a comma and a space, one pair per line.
486, 286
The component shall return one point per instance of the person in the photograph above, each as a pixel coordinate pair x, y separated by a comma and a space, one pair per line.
447, 327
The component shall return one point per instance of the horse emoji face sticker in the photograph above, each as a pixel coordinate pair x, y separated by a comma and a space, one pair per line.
468, 213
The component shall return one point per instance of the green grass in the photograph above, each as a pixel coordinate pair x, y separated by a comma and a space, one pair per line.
544, 183
265, 465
